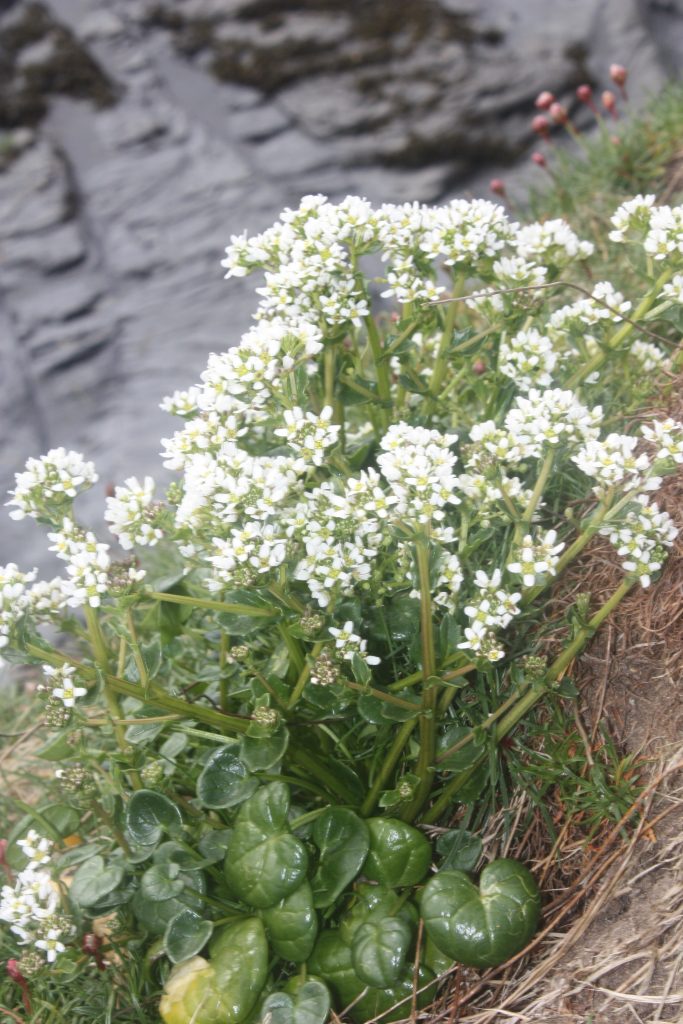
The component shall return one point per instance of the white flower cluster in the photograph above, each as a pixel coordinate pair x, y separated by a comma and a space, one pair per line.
606, 304
88, 564
641, 539
251, 550
418, 465
310, 435
673, 290
492, 608
30, 906
349, 644
552, 243
667, 435
528, 359
50, 481
632, 219
131, 515
659, 228
15, 598
612, 460
61, 685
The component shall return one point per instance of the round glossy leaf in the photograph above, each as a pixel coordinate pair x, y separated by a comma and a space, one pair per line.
343, 840
482, 926
213, 845
399, 854
225, 781
331, 959
264, 861
161, 882
149, 815
373, 903
461, 759
379, 950
239, 956
460, 850
93, 880
155, 915
292, 925
378, 1002
186, 935
262, 753
309, 1005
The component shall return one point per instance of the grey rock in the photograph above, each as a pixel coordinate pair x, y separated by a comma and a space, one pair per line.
34, 192
291, 153
57, 249
100, 24
126, 125
38, 53
57, 300
257, 123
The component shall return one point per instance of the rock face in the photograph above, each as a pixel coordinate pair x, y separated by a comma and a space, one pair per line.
136, 137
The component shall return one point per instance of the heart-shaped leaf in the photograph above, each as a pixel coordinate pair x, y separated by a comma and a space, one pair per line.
399, 854
264, 861
379, 949
161, 882
343, 840
310, 1004
93, 880
292, 925
460, 850
486, 925
260, 753
186, 935
149, 815
373, 903
225, 781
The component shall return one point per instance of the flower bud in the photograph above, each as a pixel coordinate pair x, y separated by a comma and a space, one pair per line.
609, 102
544, 100
92, 946
584, 93
479, 367
541, 125
618, 74
558, 113
539, 159
497, 186
14, 972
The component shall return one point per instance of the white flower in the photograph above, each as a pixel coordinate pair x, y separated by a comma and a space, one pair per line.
612, 460
348, 644
551, 243
47, 482
536, 558
528, 359
674, 289
668, 436
632, 219
131, 515
664, 239
310, 435
51, 944
15, 598
60, 679
36, 847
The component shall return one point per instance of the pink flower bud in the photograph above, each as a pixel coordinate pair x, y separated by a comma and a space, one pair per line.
609, 102
539, 159
544, 100
541, 125
479, 367
558, 113
92, 945
14, 972
584, 93
497, 186
618, 74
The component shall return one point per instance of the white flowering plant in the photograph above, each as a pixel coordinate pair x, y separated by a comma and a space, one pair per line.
316, 641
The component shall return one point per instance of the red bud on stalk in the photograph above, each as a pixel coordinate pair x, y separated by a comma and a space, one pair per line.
619, 74
609, 102
541, 125
584, 94
92, 945
16, 975
544, 100
539, 159
558, 113
497, 186
479, 367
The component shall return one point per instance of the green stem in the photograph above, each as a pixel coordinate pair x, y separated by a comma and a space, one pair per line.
441, 362
294, 649
427, 721
137, 653
387, 698
216, 606
101, 655
381, 369
531, 697
304, 675
388, 764
536, 494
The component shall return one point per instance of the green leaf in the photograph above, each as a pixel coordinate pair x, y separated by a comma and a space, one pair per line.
482, 926
292, 925
309, 1005
379, 950
163, 564
149, 815
262, 753
374, 903
361, 669
399, 854
461, 759
57, 748
93, 880
343, 840
460, 850
161, 882
264, 861
154, 915
242, 623
225, 781
213, 845
186, 935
